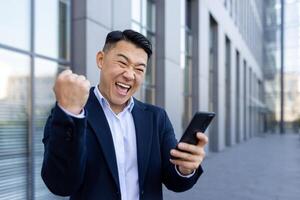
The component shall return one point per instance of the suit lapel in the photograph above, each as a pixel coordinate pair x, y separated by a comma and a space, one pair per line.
143, 120
98, 122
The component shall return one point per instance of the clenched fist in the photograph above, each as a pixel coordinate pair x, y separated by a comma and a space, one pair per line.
71, 91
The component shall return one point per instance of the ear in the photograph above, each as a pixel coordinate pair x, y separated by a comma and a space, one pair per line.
99, 59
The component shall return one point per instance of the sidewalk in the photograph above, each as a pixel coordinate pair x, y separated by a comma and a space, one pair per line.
262, 168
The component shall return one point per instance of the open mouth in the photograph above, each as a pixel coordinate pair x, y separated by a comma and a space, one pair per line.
122, 88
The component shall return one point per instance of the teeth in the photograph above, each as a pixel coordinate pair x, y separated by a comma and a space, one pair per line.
123, 85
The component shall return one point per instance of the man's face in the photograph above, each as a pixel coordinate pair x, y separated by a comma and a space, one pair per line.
123, 68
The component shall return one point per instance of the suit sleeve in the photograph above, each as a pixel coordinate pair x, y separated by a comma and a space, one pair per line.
171, 179
65, 152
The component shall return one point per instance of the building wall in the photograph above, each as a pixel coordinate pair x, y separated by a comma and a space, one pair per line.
226, 26
93, 26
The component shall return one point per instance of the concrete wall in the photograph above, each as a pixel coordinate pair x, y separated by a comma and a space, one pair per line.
173, 72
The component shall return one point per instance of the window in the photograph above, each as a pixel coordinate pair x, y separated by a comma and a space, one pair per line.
237, 104
44, 77
186, 54
16, 32
52, 21
143, 21
28, 67
213, 82
14, 99
228, 90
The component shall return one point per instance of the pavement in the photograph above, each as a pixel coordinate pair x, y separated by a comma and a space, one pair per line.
263, 168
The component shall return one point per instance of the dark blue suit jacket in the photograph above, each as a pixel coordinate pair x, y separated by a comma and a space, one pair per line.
80, 161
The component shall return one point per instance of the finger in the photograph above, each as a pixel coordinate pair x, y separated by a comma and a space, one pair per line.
87, 83
183, 155
81, 78
66, 72
193, 149
202, 139
72, 77
185, 164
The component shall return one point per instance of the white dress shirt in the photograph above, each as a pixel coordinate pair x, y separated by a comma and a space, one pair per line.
123, 133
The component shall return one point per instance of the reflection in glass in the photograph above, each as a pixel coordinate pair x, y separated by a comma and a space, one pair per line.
52, 28
16, 32
44, 77
14, 95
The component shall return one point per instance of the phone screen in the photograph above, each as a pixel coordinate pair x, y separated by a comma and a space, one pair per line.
199, 123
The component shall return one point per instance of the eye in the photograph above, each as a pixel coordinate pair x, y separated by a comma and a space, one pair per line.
122, 63
140, 69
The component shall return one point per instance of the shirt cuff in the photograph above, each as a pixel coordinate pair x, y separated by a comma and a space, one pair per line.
185, 176
79, 116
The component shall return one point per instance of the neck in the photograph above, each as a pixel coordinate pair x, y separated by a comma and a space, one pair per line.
114, 107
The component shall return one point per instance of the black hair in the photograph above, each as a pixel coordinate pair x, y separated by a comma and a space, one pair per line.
128, 35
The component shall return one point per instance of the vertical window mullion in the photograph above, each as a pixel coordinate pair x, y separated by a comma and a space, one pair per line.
30, 150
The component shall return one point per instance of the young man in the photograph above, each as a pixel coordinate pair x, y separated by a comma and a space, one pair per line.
101, 143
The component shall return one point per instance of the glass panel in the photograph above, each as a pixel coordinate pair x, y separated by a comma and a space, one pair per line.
144, 14
45, 73
186, 60
16, 32
150, 73
143, 21
14, 98
136, 27
136, 10
52, 21
150, 16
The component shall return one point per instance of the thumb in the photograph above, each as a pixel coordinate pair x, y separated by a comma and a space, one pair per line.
202, 139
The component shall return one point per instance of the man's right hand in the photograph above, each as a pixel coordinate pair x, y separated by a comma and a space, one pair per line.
71, 91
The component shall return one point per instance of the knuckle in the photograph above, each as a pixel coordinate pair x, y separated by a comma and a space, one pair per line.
195, 165
206, 140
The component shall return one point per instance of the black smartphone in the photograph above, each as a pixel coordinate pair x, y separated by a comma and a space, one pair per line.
199, 123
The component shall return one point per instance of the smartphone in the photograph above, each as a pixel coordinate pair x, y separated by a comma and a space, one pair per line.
199, 123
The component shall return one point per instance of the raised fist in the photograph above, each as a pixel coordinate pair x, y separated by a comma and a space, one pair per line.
71, 91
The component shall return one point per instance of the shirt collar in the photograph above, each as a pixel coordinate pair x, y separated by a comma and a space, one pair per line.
104, 103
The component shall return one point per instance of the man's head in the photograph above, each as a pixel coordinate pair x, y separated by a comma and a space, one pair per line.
128, 35
123, 66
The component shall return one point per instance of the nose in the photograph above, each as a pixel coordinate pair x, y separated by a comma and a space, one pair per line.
129, 74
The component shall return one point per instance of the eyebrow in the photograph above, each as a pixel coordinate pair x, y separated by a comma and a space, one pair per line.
127, 59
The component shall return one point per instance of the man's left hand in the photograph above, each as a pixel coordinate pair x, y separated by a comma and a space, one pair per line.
188, 157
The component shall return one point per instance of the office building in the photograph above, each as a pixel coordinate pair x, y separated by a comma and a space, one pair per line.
208, 56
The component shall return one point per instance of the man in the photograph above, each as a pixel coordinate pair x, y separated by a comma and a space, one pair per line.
101, 143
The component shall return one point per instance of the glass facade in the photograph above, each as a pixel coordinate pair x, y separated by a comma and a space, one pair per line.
14, 124
248, 16
16, 33
143, 21
291, 66
186, 53
33, 45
